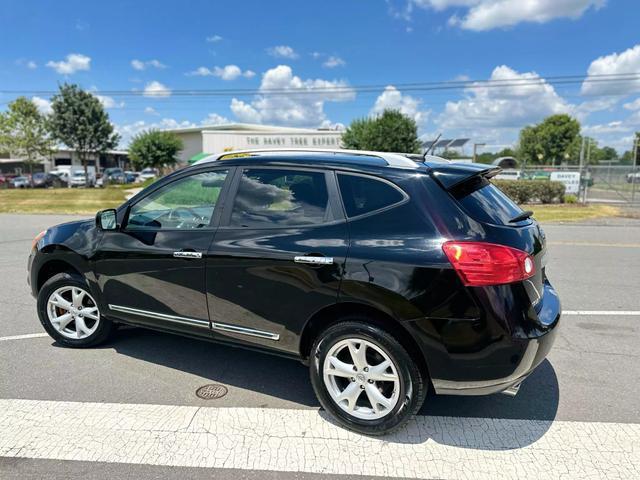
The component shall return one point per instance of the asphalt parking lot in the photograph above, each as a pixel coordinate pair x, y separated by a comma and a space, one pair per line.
578, 415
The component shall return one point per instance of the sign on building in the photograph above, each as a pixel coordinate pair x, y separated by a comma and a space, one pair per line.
571, 181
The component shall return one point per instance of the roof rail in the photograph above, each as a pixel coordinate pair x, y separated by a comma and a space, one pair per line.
398, 160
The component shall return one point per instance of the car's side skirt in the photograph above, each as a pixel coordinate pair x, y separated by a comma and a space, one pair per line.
224, 327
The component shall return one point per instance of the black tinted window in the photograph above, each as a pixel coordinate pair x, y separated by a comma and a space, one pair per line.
487, 203
274, 197
364, 194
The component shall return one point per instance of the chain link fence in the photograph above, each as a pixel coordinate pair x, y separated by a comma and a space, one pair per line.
603, 183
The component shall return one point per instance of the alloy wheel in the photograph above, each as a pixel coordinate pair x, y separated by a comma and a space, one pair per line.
73, 312
361, 378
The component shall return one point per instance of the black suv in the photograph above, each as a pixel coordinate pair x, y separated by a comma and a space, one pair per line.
388, 275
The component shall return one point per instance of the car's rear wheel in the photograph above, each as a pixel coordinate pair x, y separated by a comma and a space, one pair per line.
70, 314
365, 377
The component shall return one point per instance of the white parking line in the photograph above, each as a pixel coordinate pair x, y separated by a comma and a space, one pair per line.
619, 313
305, 441
23, 337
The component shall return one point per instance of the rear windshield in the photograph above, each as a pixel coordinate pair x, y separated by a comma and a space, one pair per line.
487, 203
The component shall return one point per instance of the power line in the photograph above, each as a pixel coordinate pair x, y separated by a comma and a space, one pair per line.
348, 90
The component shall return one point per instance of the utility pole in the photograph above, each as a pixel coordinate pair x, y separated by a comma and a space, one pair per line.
475, 149
583, 189
636, 147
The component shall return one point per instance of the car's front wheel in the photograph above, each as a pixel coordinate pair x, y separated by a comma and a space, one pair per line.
365, 377
70, 314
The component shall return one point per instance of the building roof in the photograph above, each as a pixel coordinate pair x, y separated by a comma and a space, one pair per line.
249, 127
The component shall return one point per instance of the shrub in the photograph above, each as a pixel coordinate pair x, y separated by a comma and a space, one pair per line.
527, 191
570, 199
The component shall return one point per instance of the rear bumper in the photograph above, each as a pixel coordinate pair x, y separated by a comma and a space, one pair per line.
535, 352
496, 354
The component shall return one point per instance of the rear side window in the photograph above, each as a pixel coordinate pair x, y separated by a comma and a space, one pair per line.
277, 198
487, 203
362, 195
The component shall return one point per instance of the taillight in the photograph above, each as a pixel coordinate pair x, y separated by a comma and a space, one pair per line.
481, 264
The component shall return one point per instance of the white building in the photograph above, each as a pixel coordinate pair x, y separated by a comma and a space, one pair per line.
207, 139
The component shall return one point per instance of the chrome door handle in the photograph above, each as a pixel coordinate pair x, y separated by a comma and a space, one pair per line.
183, 254
313, 260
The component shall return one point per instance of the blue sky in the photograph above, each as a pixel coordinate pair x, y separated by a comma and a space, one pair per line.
140, 55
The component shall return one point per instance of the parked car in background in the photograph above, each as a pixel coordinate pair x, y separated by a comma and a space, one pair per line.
131, 177
62, 176
4, 181
45, 180
148, 174
21, 182
389, 277
509, 175
78, 179
633, 177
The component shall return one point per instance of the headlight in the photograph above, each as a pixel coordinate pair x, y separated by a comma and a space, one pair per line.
34, 244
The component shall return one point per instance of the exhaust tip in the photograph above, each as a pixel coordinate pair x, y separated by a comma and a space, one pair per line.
512, 391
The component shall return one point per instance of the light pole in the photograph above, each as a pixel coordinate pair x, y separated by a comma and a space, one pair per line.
475, 149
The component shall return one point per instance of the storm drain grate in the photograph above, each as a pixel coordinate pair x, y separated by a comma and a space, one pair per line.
212, 391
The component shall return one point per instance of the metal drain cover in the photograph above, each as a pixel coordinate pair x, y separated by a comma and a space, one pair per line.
212, 391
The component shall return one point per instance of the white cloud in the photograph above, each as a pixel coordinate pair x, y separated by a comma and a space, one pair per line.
32, 65
333, 62
128, 131
526, 98
156, 89
228, 72
488, 14
109, 102
43, 105
297, 102
282, 51
616, 63
393, 99
635, 105
611, 127
142, 65
74, 62
214, 39
150, 111
215, 119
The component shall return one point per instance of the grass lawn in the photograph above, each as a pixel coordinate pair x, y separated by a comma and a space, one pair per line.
570, 212
60, 200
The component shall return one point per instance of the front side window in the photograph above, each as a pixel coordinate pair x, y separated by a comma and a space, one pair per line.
280, 198
187, 203
362, 195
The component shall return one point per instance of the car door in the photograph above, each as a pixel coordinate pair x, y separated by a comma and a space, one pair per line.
151, 270
277, 257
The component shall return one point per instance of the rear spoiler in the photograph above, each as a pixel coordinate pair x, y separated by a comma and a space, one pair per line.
451, 175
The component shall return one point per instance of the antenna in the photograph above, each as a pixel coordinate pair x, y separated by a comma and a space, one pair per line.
432, 146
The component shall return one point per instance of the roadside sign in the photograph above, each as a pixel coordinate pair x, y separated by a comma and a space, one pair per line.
571, 181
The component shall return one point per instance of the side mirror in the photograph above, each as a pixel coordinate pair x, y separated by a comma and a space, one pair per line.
107, 219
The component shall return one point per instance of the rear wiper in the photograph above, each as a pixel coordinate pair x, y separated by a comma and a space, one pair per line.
523, 216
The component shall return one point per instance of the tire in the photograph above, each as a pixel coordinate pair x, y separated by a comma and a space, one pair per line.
408, 390
91, 332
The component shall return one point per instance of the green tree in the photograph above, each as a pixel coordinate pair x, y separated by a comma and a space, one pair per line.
24, 132
391, 131
80, 122
552, 141
154, 148
629, 156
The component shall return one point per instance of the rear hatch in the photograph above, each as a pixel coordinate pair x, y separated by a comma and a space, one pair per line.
504, 222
